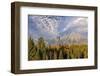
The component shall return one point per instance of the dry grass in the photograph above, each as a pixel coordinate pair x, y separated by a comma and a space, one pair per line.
51, 52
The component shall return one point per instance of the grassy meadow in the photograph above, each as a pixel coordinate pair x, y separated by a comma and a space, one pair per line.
42, 51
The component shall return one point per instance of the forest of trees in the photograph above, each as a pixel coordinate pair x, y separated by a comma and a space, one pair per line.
41, 51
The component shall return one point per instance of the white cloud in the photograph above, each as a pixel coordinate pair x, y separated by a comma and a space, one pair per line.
80, 23
46, 25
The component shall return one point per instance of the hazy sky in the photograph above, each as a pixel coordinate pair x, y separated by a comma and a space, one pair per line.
53, 26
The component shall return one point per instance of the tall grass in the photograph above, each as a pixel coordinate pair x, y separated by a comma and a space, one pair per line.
40, 51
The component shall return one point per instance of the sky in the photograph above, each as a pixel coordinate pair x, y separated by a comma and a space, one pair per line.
50, 27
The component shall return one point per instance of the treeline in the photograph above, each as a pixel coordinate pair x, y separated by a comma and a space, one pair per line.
41, 51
